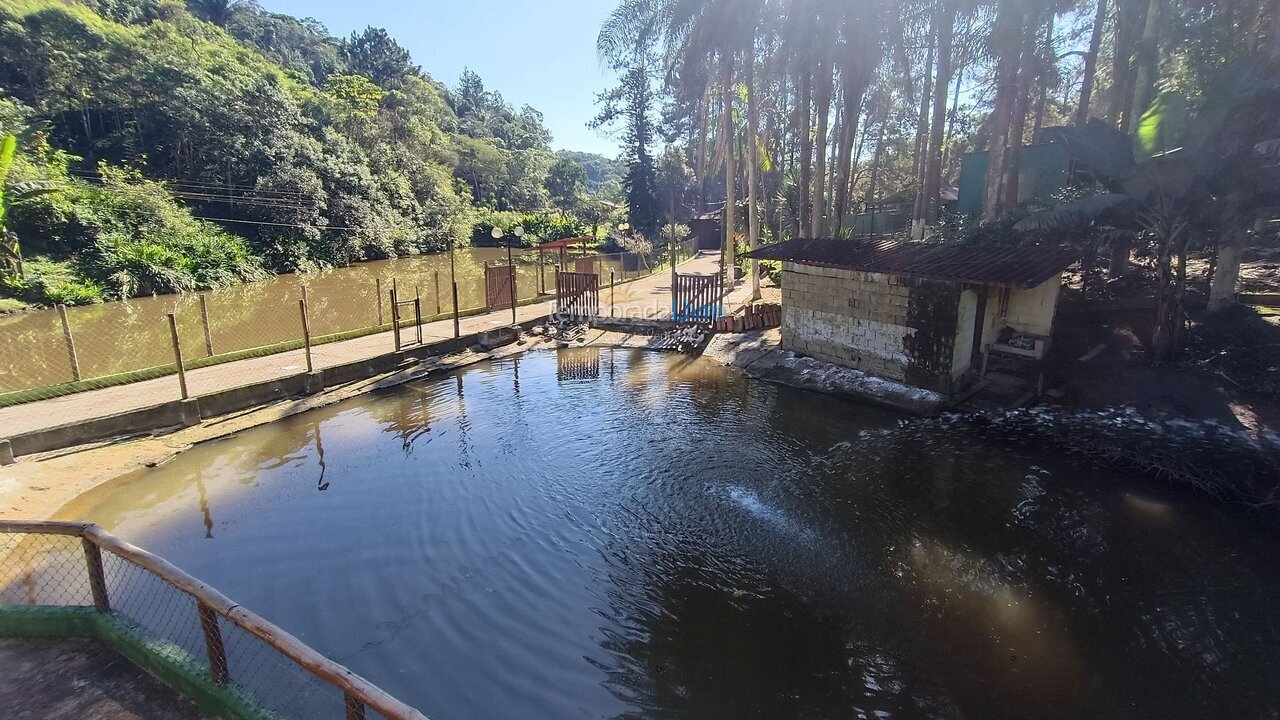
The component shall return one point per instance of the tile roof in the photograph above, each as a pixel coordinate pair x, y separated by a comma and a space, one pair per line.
1014, 266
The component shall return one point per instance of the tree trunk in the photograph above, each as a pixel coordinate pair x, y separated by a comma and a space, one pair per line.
1120, 249
875, 165
1161, 340
1006, 33
922, 142
728, 250
1042, 79
701, 166
1129, 19
1275, 30
1013, 162
753, 165
824, 89
1226, 273
951, 120
852, 93
933, 169
1091, 63
1148, 55
804, 114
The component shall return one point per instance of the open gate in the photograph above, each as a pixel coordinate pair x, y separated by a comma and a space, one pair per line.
696, 298
499, 286
577, 295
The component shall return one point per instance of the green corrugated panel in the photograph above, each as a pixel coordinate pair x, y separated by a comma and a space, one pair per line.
1044, 170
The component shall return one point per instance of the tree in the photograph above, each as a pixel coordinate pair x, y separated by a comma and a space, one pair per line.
630, 103
218, 12
566, 181
374, 54
1211, 179
10, 196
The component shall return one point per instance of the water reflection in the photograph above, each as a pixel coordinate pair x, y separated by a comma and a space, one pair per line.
669, 539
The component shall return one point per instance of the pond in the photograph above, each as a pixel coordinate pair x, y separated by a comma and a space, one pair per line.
610, 533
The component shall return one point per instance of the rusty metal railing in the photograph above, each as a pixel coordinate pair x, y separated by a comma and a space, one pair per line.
41, 565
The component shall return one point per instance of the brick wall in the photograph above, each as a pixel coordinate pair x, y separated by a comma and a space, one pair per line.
890, 326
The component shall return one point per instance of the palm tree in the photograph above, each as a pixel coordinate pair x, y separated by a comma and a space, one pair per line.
694, 33
11, 195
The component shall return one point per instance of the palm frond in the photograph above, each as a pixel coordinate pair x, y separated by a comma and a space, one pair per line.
1073, 215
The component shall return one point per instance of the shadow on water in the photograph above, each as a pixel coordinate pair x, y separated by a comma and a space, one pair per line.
607, 533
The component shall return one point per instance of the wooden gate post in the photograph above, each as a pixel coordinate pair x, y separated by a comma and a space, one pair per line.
97, 578
306, 333
70, 341
204, 319
213, 645
177, 355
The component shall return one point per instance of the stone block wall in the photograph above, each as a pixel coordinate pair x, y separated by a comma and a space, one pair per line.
887, 325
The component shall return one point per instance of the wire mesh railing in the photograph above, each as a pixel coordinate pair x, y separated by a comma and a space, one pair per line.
65, 350
253, 668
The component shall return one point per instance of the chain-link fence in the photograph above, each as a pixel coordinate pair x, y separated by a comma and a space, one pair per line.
75, 579
65, 350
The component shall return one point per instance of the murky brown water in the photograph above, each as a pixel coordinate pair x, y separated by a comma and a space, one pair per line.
118, 337
615, 534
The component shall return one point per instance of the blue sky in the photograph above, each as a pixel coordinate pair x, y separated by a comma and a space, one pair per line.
537, 52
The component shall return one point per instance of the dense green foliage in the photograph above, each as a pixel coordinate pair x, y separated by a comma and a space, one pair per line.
248, 141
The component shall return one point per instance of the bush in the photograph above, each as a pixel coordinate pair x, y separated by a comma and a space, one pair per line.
49, 282
137, 241
539, 227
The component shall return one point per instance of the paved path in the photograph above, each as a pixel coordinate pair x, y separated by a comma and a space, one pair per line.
646, 297
82, 679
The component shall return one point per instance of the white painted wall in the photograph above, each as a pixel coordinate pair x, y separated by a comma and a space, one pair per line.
966, 317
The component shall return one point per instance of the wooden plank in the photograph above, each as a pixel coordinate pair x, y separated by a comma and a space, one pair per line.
43, 527
97, 578
213, 643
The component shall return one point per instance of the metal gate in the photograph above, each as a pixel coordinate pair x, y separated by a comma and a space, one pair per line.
577, 295
406, 315
499, 286
696, 298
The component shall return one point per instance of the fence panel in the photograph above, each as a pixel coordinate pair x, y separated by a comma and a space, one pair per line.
178, 619
577, 295
697, 298
99, 346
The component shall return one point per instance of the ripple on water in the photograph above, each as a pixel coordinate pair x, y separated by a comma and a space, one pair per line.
615, 533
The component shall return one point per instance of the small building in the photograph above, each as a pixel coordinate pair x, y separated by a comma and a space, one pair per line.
916, 313
708, 230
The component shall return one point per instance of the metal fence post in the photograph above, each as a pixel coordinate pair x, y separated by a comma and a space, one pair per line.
306, 333
177, 355
395, 315
97, 578
71, 343
437, 287
213, 643
611, 298
204, 319
417, 317
378, 292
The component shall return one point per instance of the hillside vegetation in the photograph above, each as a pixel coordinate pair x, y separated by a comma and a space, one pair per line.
194, 145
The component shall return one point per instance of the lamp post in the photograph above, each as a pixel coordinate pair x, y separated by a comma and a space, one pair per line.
517, 232
623, 227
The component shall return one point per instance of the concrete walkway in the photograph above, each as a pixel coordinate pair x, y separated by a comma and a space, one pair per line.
646, 297
81, 679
